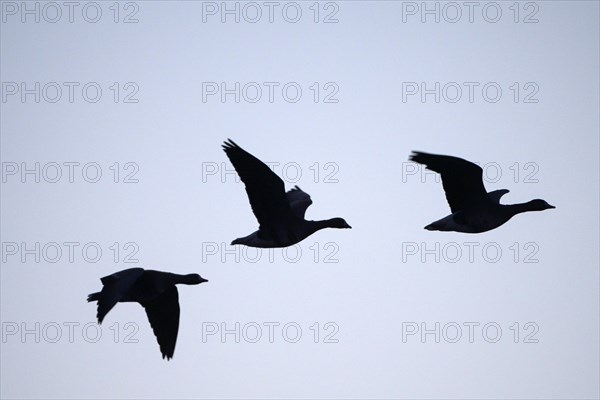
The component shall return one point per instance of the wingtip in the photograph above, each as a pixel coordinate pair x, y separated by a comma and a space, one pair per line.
228, 144
414, 154
93, 297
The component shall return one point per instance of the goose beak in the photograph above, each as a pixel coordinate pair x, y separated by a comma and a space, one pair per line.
202, 280
551, 206
347, 226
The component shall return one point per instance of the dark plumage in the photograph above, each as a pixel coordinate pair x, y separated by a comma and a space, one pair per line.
155, 291
474, 210
280, 215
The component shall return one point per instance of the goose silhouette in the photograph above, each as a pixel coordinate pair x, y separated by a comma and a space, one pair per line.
155, 291
280, 214
474, 210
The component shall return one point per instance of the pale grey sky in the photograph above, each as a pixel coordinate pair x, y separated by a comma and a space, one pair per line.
345, 138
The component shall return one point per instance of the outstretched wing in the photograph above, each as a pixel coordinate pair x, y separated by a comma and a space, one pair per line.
462, 180
265, 189
299, 201
163, 314
115, 287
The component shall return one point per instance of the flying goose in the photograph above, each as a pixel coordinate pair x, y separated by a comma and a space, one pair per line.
155, 291
280, 214
474, 210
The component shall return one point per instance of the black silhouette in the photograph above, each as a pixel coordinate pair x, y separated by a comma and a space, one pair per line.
280, 215
474, 210
155, 291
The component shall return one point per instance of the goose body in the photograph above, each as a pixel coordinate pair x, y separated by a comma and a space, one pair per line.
280, 214
155, 291
474, 210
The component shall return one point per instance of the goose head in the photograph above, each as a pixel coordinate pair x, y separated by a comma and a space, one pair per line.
192, 279
539, 205
339, 223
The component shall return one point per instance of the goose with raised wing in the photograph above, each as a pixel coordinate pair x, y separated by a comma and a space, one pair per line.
280, 214
474, 210
155, 291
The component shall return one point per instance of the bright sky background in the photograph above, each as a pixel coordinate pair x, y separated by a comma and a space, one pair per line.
386, 279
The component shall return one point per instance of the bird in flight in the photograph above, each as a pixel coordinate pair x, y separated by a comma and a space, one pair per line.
280, 214
155, 291
474, 210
